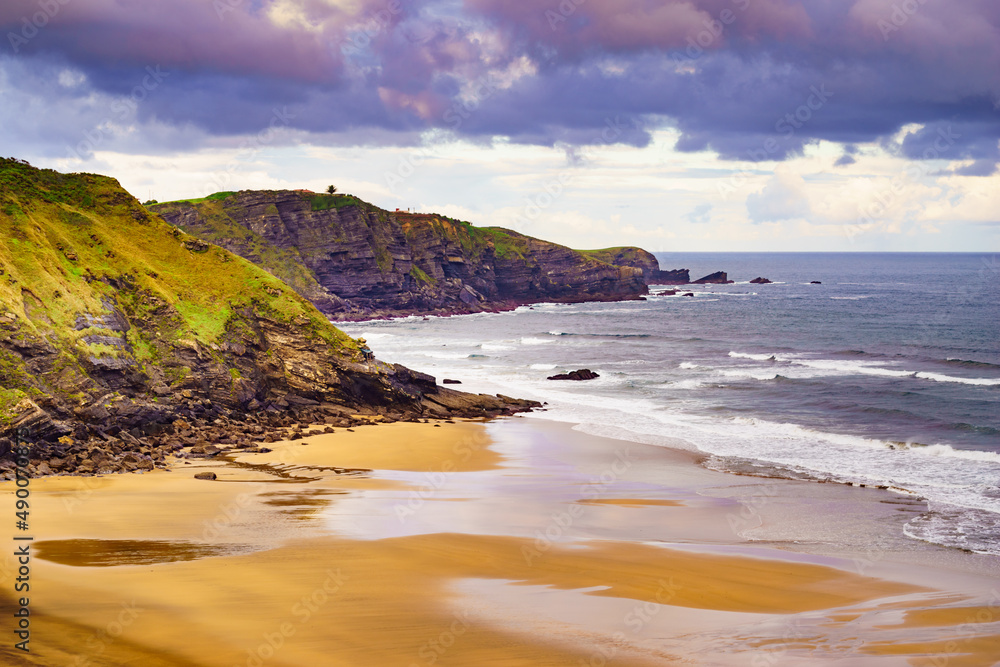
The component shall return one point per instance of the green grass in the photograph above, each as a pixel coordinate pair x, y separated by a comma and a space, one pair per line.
326, 202
218, 196
420, 275
129, 257
216, 226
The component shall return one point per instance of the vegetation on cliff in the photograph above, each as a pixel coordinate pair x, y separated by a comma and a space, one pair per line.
354, 260
111, 316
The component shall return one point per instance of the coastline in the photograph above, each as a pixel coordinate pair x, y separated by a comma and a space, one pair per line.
514, 542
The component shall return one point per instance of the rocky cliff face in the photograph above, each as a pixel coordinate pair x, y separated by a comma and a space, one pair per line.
114, 323
672, 277
357, 261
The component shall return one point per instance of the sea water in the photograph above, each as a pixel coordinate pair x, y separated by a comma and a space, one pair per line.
886, 374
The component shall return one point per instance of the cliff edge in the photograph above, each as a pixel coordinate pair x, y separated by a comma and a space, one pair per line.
356, 261
116, 325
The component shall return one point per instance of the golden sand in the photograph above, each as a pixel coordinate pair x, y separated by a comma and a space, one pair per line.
631, 502
162, 569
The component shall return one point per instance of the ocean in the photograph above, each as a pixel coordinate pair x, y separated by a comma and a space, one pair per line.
885, 374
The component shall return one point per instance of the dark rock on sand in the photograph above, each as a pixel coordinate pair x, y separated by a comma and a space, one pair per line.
206, 475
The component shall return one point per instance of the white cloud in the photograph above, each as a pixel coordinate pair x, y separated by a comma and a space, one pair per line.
783, 198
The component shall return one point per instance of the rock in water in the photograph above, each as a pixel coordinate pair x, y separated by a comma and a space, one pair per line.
582, 374
717, 278
450, 381
760, 281
815, 282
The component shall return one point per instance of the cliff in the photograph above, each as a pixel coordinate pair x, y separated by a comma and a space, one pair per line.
114, 324
354, 260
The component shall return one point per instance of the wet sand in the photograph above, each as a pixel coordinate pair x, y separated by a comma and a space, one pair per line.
519, 542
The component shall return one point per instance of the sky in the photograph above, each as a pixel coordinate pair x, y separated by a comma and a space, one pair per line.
674, 125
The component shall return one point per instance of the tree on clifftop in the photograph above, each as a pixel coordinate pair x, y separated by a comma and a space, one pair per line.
332, 189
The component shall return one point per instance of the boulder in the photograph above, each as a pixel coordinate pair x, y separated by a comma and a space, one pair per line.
206, 475
760, 281
582, 374
450, 381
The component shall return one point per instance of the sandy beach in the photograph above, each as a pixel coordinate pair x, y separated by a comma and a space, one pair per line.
515, 542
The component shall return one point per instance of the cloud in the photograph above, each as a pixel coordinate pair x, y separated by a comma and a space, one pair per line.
847, 159
758, 81
783, 198
700, 214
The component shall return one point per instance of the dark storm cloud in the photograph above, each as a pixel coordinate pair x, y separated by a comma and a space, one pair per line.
748, 79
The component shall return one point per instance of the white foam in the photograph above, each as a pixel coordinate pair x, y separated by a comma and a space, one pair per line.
536, 341
857, 367
687, 365
951, 452
755, 357
542, 367
434, 354
948, 378
850, 367
496, 347
745, 373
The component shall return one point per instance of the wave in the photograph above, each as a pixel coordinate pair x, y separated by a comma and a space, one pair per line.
755, 357
745, 373
937, 377
433, 354
857, 367
536, 341
542, 367
598, 335
928, 450
687, 365
496, 347
972, 428
970, 364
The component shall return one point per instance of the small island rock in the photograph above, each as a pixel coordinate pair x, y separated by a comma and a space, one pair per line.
582, 374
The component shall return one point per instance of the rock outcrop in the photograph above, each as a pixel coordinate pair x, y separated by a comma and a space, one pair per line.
356, 261
672, 277
122, 339
760, 281
582, 374
717, 278
641, 259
